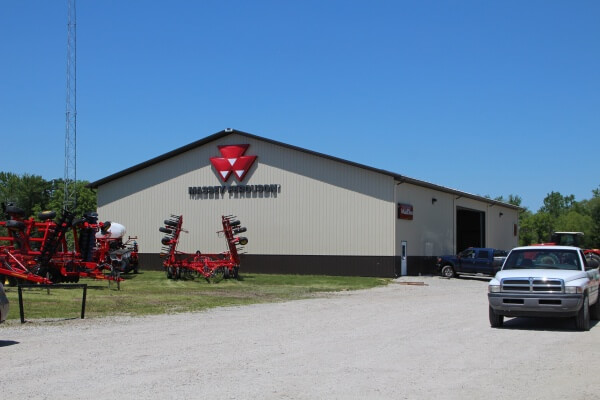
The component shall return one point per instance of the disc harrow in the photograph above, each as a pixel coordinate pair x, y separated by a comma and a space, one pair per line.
213, 267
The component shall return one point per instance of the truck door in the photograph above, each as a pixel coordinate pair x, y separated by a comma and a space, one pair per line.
467, 261
483, 263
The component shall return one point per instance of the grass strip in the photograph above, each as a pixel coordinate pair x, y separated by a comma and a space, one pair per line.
150, 292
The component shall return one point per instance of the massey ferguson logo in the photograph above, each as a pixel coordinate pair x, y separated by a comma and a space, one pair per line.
233, 161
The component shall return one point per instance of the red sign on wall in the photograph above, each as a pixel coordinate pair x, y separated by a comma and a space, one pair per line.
233, 161
405, 211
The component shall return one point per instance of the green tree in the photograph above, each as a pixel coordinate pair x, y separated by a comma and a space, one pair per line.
573, 221
28, 192
536, 228
34, 194
86, 198
556, 204
594, 209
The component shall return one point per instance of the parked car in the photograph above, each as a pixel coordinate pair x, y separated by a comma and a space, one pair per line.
3, 304
472, 261
545, 281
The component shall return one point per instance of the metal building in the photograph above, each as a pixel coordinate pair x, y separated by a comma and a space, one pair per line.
306, 212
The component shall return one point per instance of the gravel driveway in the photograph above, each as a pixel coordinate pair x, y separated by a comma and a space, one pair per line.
403, 341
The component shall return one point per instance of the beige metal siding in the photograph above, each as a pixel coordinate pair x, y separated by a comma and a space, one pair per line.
323, 207
432, 231
502, 226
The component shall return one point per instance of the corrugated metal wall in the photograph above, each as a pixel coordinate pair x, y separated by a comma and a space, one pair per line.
432, 231
323, 207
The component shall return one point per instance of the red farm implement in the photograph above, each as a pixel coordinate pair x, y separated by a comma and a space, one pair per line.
210, 266
37, 251
573, 239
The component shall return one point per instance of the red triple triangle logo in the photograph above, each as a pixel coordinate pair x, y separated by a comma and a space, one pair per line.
233, 161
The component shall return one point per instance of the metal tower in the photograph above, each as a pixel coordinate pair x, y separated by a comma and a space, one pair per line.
70, 177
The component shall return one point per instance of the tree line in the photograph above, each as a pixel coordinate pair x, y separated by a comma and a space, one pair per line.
563, 213
34, 194
559, 213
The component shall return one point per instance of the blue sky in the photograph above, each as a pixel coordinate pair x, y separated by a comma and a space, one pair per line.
488, 97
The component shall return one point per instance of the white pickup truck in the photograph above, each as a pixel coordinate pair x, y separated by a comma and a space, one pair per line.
545, 281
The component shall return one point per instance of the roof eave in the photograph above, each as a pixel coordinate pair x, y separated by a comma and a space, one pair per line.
228, 131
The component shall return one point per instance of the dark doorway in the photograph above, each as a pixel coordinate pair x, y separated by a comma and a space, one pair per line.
470, 229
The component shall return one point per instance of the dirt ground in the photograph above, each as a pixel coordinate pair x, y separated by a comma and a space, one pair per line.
403, 341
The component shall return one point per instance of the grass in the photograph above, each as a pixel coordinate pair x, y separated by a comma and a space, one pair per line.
150, 292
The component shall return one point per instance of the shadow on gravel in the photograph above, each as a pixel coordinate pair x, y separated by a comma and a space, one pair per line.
484, 279
543, 324
475, 278
6, 343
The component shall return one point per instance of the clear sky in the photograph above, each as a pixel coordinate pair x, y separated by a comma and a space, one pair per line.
488, 97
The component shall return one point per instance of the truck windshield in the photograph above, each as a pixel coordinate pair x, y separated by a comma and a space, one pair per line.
543, 259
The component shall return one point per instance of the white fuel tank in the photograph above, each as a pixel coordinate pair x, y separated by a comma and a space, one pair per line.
114, 231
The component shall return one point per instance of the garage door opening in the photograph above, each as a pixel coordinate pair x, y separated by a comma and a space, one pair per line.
470, 229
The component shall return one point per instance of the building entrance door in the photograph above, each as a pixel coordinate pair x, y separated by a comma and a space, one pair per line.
403, 266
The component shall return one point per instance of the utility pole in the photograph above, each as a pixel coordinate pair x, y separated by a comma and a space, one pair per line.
70, 177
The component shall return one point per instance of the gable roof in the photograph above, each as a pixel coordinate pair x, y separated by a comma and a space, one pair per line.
229, 131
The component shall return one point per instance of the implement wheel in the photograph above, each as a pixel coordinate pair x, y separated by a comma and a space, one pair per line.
14, 210
218, 275
165, 230
46, 215
15, 225
168, 222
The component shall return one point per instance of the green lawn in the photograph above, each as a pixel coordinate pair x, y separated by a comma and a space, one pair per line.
150, 292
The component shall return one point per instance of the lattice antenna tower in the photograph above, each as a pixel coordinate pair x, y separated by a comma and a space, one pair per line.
70, 176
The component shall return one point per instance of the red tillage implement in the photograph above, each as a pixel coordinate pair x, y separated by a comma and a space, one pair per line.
215, 266
573, 239
37, 251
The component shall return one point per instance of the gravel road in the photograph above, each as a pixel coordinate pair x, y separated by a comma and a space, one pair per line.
403, 341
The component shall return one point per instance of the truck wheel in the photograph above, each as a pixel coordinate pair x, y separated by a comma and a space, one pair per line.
595, 310
496, 320
448, 271
582, 320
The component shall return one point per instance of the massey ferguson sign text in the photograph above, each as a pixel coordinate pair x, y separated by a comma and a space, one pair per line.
233, 161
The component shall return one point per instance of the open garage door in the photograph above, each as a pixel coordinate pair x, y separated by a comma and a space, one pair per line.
470, 229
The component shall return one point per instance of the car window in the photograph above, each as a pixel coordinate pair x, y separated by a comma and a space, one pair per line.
543, 259
483, 254
469, 253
